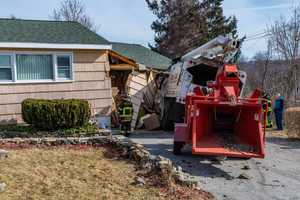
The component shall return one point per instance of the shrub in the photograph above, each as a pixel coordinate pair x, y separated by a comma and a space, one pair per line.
56, 114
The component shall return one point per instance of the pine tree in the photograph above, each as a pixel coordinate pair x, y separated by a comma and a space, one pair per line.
183, 25
217, 23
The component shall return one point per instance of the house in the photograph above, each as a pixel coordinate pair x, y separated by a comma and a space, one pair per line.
143, 56
142, 86
54, 60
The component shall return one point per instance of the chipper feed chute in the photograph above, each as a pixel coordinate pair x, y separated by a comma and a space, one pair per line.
220, 123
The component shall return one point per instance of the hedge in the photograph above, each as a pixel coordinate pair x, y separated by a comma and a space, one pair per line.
56, 114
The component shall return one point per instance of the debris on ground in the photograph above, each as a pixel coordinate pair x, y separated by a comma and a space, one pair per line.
3, 153
246, 167
244, 176
2, 187
139, 181
228, 141
220, 158
151, 122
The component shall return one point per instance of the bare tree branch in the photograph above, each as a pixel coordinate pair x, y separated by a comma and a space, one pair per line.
73, 10
285, 34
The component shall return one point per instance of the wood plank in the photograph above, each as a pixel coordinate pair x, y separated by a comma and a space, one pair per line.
89, 76
11, 119
54, 87
90, 67
10, 109
90, 56
121, 67
93, 94
140, 80
123, 58
100, 103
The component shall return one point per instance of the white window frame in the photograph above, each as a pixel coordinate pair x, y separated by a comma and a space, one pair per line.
70, 55
8, 67
55, 69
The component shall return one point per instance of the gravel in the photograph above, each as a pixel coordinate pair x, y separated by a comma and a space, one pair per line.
275, 177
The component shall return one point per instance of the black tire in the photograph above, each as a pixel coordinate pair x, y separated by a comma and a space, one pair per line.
127, 133
245, 158
177, 146
173, 113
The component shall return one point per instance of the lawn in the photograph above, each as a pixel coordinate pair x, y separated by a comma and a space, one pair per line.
70, 174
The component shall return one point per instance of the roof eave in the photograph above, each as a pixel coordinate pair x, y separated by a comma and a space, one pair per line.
55, 46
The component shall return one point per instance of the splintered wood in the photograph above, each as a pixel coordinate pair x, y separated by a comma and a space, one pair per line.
228, 141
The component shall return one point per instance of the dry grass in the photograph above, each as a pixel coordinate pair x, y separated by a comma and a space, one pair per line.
69, 174
292, 118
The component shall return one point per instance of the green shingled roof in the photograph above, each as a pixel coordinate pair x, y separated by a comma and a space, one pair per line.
142, 55
36, 31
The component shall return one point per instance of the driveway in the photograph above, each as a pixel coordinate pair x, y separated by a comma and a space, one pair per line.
275, 177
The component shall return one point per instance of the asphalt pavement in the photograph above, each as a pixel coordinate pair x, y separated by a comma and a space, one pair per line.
275, 177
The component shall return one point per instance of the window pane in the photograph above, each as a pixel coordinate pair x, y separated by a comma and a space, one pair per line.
63, 60
63, 72
5, 60
64, 66
34, 67
5, 74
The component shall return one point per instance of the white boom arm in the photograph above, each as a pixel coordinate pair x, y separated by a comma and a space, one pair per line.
222, 47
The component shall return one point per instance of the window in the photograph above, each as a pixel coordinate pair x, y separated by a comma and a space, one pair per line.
35, 67
63, 66
5, 67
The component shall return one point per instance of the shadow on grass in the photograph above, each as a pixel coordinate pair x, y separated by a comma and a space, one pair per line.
27, 131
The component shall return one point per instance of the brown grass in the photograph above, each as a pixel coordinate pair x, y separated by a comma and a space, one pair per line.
292, 118
69, 174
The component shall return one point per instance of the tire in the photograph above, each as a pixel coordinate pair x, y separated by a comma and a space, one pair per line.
245, 158
127, 133
173, 113
177, 146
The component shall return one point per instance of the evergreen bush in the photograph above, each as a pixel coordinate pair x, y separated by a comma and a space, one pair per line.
56, 114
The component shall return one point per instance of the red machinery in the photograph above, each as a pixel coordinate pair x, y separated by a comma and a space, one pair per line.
221, 123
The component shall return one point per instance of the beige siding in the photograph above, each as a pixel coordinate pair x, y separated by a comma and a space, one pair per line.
90, 83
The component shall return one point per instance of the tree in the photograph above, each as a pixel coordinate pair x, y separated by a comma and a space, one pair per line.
285, 34
217, 23
266, 72
184, 25
262, 61
73, 10
12, 16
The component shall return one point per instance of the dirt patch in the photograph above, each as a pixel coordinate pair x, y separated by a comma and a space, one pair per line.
79, 172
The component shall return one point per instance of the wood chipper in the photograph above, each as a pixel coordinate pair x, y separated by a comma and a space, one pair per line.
218, 120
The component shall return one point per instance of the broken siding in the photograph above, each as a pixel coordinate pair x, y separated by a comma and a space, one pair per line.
137, 83
90, 84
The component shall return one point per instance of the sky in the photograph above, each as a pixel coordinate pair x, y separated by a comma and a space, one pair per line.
130, 20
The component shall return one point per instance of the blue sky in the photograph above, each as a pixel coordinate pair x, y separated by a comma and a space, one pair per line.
130, 20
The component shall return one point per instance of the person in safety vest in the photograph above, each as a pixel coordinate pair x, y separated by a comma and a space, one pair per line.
269, 123
125, 111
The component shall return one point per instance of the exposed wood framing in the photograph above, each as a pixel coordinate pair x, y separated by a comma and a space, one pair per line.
124, 59
121, 67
